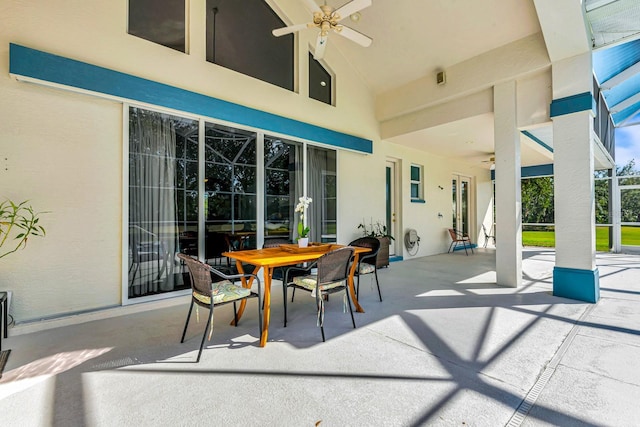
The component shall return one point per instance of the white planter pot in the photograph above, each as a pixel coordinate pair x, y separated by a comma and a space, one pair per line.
303, 242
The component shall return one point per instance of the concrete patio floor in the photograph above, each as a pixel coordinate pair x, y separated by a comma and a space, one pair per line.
446, 347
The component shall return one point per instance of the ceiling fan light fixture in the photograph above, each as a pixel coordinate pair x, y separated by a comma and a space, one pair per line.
326, 19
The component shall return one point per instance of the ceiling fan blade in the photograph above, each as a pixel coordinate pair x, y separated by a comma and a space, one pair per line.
351, 8
354, 36
290, 29
312, 6
321, 44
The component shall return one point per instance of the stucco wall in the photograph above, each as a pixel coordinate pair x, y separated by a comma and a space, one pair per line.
63, 150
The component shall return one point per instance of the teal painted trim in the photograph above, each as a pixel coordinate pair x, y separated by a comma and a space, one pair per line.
461, 248
573, 104
27, 62
582, 285
395, 258
531, 171
537, 171
418, 201
536, 139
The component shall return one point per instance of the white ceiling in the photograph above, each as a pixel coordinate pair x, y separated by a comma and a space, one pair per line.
472, 141
416, 38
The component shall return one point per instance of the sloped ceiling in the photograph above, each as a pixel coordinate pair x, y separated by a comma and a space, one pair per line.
416, 38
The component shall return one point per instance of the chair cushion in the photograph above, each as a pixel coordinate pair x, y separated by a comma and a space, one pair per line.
366, 268
309, 282
223, 291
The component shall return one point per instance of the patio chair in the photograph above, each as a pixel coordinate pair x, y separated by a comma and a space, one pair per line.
278, 273
367, 263
459, 238
332, 276
208, 294
488, 236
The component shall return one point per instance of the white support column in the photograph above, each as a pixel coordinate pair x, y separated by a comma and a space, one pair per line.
575, 274
508, 197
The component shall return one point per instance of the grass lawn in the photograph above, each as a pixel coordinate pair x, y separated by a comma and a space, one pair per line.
630, 237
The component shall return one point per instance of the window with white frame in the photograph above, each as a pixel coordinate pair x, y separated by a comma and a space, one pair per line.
239, 38
195, 188
417, 186
320, 81
159, 21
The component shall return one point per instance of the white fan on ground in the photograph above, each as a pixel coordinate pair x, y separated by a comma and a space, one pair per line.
327, 19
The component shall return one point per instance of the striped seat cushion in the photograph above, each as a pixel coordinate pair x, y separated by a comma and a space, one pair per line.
366, 268
223, 291
309, 282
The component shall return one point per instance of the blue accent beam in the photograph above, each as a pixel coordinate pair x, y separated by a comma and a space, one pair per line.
537, 171
582, 285
573, 104
538, 140
43, 66
531, 171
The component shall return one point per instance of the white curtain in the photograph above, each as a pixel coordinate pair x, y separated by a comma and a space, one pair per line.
152, 197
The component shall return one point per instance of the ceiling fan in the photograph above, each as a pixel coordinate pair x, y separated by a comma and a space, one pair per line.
491, 160
327, 19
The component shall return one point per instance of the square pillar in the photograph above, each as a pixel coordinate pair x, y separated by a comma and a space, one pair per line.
508, 196
575, 275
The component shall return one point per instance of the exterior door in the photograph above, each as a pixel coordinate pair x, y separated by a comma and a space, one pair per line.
461, 202
391, 220
629, 214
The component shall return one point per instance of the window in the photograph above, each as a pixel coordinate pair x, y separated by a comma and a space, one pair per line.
283, 186
230, 189
320, 82
417, 192
329, 207
159, 21
163, 202
322, 188
193, 189
239, 38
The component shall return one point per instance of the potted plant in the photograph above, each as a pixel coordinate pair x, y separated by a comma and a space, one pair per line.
303, 231
18, 222
379, 231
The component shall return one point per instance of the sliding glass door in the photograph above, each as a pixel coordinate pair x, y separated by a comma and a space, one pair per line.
163, 175
322, 188
283, 163
194, 189
230, 190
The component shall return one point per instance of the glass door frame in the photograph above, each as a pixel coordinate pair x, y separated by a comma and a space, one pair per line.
619, 246
260, 187
459, 182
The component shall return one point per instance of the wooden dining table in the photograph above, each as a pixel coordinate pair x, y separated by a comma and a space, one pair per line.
270, 258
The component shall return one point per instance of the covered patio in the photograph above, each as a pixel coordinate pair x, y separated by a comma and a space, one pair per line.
446, 346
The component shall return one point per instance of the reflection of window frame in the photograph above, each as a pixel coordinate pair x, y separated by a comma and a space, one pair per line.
416, 183
216, 158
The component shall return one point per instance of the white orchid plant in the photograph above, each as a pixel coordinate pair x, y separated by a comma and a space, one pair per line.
301, 207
